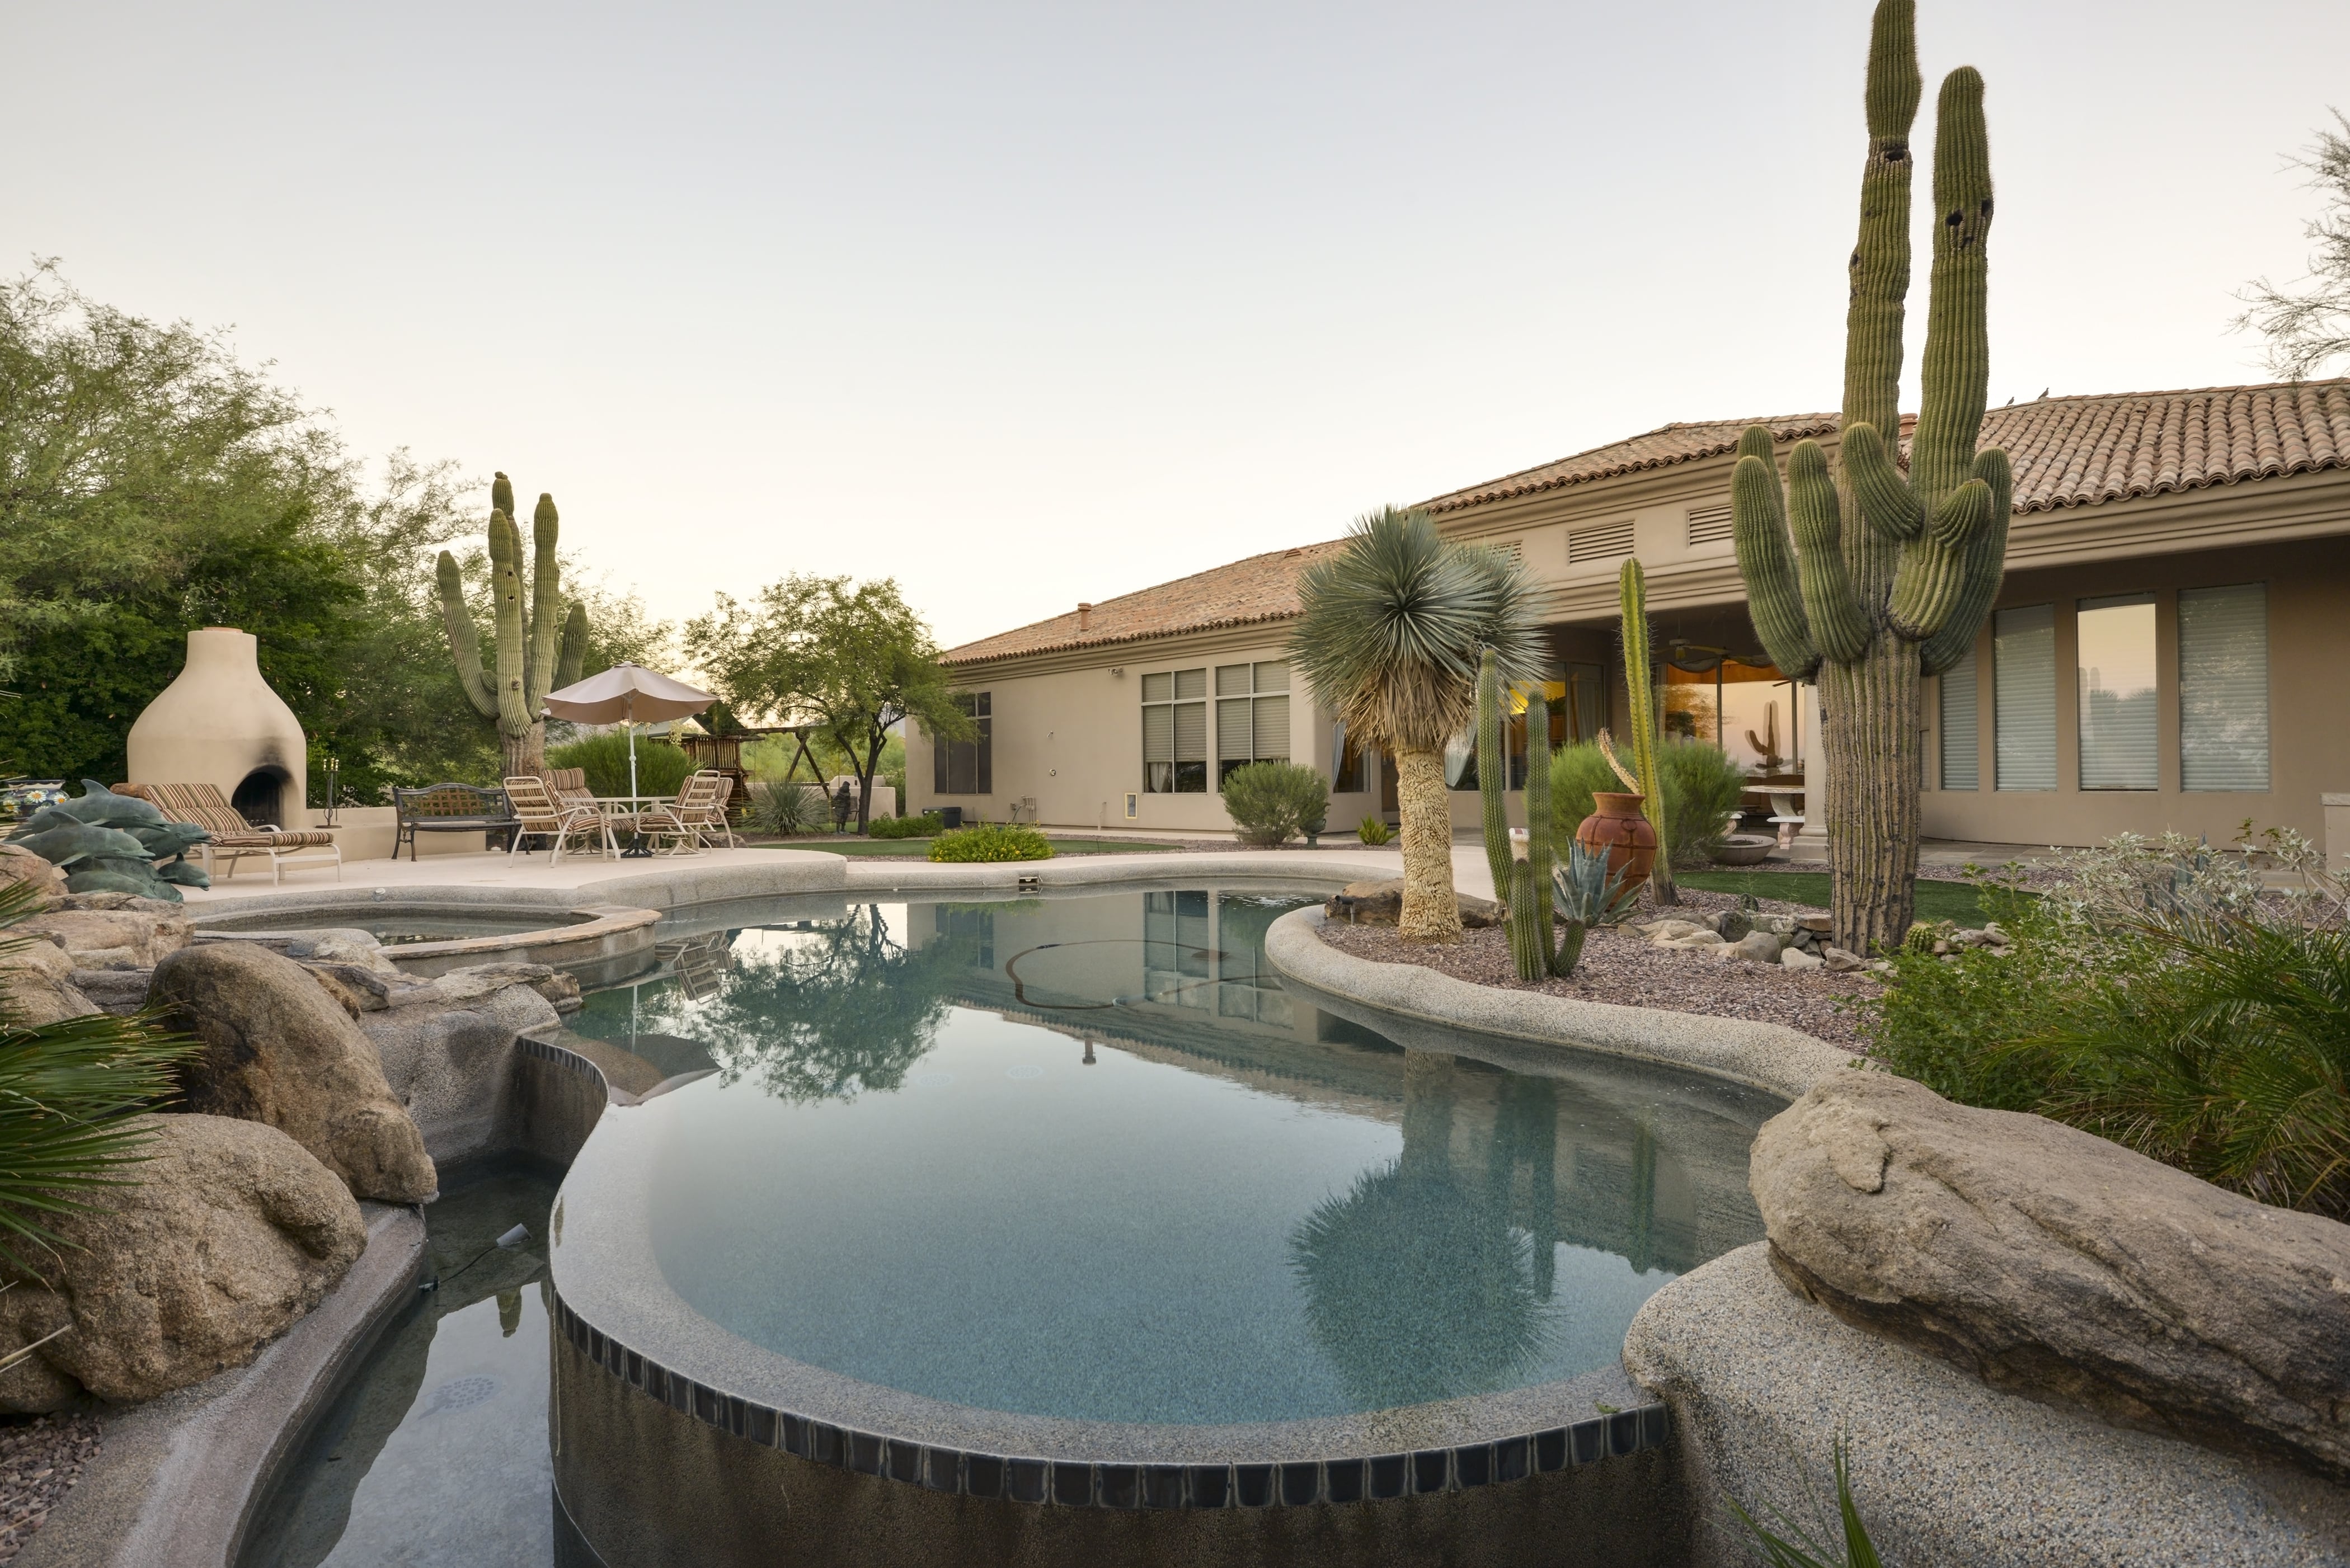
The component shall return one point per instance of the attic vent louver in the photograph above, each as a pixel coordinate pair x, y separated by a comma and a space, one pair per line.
1709, 525
1599, 542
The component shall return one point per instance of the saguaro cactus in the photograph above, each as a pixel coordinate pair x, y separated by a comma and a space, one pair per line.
1632, 602
1888, 577
536, 651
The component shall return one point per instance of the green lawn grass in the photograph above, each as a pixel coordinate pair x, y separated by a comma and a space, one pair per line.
1935, 900
920, 848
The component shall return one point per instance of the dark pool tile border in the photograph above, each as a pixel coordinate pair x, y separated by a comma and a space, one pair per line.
1067, 1483
572, 1060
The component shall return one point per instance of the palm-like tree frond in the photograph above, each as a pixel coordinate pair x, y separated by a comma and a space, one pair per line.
1391, 629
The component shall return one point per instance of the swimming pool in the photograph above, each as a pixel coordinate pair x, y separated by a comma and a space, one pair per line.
1065, 1201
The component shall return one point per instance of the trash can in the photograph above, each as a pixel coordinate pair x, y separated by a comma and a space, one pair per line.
951, 816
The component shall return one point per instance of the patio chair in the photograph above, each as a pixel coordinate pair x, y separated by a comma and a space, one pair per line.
542, 815
706, 813
204, 805
684, 820
569, 784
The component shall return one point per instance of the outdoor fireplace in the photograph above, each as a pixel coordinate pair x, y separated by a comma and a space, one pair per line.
219, 723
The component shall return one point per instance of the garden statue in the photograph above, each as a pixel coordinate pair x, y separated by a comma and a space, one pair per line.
1890, 576
109, 843
537, 651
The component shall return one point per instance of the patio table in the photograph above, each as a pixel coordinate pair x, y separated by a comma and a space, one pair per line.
614, 805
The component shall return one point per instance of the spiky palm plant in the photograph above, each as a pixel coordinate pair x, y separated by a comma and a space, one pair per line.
69, 1094
1389, 635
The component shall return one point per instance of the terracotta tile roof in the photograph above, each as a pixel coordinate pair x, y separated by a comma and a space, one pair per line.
1260, 589
2067, 451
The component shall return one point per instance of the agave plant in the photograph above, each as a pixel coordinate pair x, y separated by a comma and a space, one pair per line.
1389, 635
69, 1094
1586, 894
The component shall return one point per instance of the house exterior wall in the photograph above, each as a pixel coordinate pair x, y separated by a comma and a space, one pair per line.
1068, 727
1067, 732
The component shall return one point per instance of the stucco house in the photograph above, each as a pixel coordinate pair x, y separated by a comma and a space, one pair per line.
2161, 655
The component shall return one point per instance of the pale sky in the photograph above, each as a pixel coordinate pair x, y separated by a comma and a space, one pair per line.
1024, 304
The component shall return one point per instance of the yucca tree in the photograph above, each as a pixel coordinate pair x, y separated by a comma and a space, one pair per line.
1389, 636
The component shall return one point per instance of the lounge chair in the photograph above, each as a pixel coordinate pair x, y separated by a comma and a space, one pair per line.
686, 819
204, 805
540, 814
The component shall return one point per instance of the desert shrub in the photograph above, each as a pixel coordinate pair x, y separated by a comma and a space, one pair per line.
2154, 996
662, 768
992, 841
1702, 787
1701, 784
781, 809
1271, 803
1374, 830
926, 825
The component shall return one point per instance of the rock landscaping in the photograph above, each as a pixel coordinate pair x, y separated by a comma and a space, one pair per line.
278, 1049
40, 1462
1665, 957
231, 1233
2052, 1264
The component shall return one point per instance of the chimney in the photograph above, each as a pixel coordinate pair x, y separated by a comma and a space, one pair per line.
1085, 618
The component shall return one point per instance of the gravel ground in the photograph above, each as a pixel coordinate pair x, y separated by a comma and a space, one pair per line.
1618, 967
40, 1461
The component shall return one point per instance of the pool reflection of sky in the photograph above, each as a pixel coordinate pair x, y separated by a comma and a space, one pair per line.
891, 1182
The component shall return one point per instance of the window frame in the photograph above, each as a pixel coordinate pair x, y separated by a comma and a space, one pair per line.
1184, 775
975, 757
1254, 698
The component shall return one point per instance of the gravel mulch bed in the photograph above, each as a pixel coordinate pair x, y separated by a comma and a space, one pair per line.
40, 1461
1618, 967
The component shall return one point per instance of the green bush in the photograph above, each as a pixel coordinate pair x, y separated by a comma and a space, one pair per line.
662, 768
926, 825
1272, 802
1701, 785
2153, 996
992, 841
1374, 830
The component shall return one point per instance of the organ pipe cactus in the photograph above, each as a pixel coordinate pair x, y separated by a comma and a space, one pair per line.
1888, 577
537, 650
1632, 593
1522, 885
1493, 776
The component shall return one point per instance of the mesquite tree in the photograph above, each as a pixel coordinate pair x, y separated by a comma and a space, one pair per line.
1889, 576
539, 652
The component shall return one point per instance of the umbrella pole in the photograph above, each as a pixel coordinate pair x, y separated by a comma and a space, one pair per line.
632, 756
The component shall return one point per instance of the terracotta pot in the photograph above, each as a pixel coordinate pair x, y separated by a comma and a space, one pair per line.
1616, 829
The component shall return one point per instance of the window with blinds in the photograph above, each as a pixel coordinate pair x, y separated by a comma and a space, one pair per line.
2024, 697
1175, 731
1599, 542
1709, 526
2224, 688
1252, 715
1961, 737
967, 767
2115, 664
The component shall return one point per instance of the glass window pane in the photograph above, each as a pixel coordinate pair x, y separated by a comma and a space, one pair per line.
1159, 735
1961, 740
2224, 688
2024, 697
1232, 728
1157, 688
1191, 682
2116, 673
1272, 676
1231, 679
1191, 731
1270, 743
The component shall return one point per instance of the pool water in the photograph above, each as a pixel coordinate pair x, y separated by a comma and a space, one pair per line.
1083, 1157
434, 1455
401, 928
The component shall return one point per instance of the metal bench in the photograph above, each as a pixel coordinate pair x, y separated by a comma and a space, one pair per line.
451, 808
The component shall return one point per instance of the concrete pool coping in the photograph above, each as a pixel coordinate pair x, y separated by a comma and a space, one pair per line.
591, 934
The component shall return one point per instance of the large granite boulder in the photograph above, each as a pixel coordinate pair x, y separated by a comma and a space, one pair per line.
279, 1050
19, 864
231, 1233
448, 1047
112, 930
2052, 1264
36, 986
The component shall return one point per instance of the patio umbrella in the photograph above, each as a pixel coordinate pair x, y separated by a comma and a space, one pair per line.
626, 694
